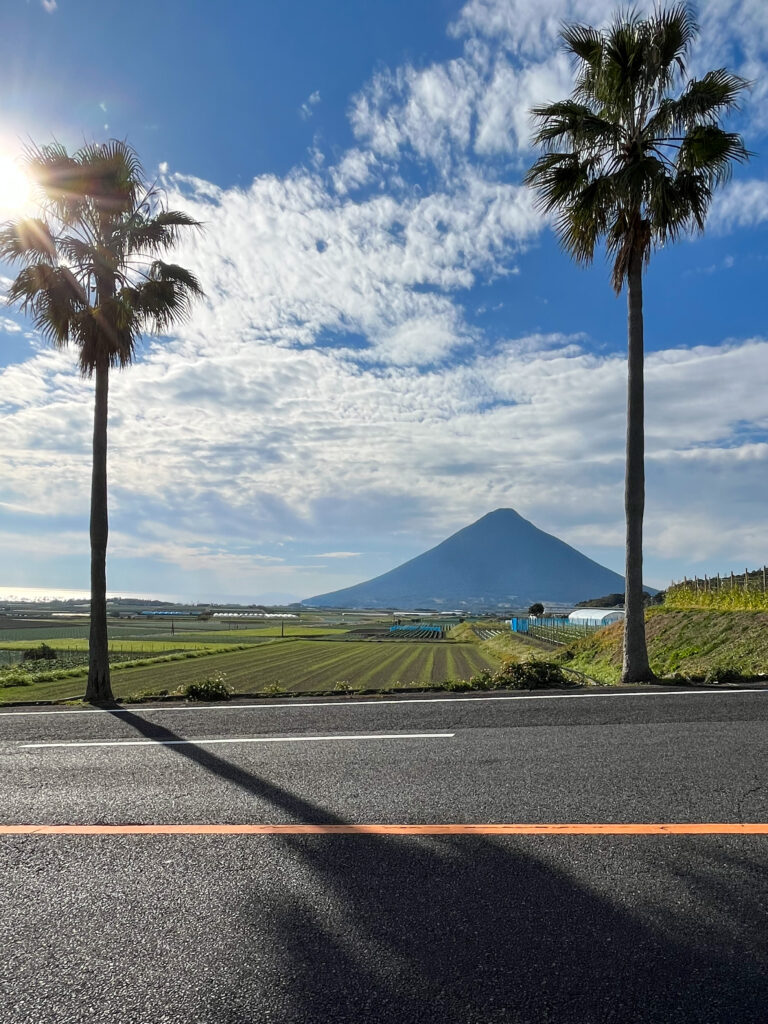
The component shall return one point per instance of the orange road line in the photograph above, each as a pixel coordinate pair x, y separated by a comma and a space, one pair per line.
618, 829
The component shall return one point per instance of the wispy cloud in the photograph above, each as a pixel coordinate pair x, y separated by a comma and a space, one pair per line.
337, 554
743, 204
307, 108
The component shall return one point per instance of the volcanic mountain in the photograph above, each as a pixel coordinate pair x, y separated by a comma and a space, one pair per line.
502, 560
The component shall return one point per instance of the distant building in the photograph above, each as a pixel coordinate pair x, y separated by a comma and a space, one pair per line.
596, 616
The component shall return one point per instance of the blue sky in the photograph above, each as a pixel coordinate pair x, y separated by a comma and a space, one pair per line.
392, 343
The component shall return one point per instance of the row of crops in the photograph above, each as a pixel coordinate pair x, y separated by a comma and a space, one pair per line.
297, 666
486, 634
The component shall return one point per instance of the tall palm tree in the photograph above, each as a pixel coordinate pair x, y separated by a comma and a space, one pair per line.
633, 156
91, 276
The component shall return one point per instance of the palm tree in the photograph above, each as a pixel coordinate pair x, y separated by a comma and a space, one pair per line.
91, 276
626, 160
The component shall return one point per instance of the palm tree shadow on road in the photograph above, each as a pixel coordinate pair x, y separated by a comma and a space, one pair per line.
478, 929
295, 807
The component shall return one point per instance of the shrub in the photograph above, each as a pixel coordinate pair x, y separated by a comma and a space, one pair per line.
457, 685
482, 681
725, 674
41, 653
213, 687
274, 689
16, 677
342, 686
531, 675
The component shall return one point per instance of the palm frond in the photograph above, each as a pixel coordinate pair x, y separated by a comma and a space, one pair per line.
165, 297
671, 31
27, 240
712, 151
52, 296
584, 43
557, 178
155, 234
575, 123
703, 102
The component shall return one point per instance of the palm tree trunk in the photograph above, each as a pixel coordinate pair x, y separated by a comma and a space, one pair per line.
635, 668
99, 687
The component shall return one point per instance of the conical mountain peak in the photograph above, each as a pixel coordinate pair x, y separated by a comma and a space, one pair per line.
501, 560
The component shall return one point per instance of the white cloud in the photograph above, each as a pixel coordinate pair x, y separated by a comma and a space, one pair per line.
306, 109
742, 204
9, 326
254, 442
337, 554
49, 5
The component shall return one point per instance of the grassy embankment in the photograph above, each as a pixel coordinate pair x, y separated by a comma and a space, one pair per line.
506, 646
693, 644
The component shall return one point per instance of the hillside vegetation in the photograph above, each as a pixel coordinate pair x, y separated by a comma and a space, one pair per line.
692, 643
719, 599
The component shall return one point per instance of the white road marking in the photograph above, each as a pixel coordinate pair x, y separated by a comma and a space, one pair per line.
382, 702
243, 739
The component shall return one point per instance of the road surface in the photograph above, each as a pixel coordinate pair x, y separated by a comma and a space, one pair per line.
462, 926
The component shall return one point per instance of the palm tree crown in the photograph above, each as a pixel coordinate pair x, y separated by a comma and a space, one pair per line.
624, 159
90, 268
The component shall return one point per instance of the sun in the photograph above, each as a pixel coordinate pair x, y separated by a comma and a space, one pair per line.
14, 188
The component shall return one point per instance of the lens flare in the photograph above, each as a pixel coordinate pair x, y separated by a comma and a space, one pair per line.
14, 188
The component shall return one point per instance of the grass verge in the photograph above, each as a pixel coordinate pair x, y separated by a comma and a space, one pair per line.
684, 645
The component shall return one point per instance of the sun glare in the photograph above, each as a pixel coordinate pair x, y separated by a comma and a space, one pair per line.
14, 188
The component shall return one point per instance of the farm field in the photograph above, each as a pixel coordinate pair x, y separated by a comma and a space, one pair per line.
297, 666
128, 645
27, 635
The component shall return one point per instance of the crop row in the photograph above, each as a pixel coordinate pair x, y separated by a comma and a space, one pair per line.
303, 666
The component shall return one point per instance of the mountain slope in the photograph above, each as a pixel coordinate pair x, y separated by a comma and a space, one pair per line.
500, 560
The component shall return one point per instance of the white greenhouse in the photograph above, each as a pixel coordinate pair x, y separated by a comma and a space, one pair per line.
596, 616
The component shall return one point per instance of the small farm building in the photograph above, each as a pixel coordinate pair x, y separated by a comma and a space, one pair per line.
596, 616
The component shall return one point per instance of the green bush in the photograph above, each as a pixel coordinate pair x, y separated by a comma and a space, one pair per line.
532, 675
457, 685
482, 681
725, 674
16, 677
274, 689
41, 653
213, 687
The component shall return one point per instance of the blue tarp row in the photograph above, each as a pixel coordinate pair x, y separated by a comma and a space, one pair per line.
416, 627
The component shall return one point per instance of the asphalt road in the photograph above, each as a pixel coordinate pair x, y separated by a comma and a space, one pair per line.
159, 929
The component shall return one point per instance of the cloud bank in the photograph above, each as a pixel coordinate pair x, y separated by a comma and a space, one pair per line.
333, 407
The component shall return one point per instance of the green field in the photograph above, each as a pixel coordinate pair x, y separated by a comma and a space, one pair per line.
127, 646
298, 666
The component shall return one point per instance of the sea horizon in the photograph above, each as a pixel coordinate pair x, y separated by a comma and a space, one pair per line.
40, 594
